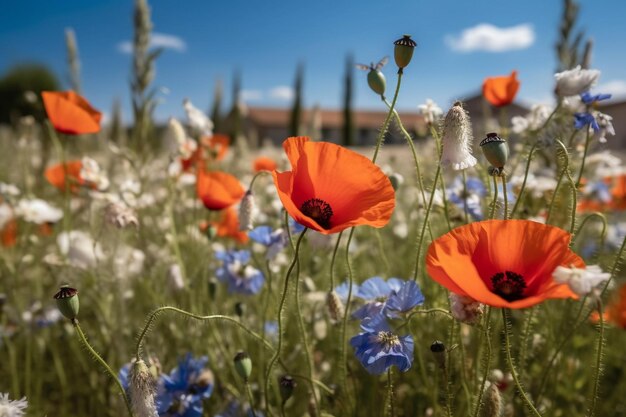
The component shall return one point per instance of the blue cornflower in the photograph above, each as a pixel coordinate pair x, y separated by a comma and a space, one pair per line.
589, 99
296, 228
585, 119
181, 392
378, 348
275, 241
241, 278
387, 297
475, 190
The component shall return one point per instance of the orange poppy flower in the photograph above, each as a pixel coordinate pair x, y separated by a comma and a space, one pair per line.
218, 190
616, 310
503, 263
8, 234
218, 144
56, 175
228, 226
501, 91
195, 160
70, 113
263, 163
331, 188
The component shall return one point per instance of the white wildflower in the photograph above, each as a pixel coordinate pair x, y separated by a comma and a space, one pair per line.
198, 121
575, 81
38, 211
430, 110
175, 277
79, 249
128, 262
581, 281
12, 408
606, 127
534, 120
6, 214
175, 136
456, 139
120, 215
8, 190
91, 173
465, 309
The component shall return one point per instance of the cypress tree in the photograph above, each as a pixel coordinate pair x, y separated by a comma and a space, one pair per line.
215, 113
296, 110
348, 120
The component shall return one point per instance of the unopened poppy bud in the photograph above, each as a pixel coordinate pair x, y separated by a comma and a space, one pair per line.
211, 232
67, 301
247, 212
493, 402
142, 388
243, 365
439, 353
335, 306
376, 81
403, 51
496, 150
240, 309
396, 180
287, 384
213, 284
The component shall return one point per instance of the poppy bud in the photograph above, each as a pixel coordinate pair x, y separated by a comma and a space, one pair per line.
287, 385
67, 301
243, 365
376, 81
247, 212
493, 402
496, 150
142, 389
439, 352
403, 51
240, 309
396, 180
211, 232
335, 306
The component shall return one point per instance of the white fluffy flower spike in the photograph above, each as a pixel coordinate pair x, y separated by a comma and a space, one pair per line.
575, 81
456, 139
12, 408
581, 281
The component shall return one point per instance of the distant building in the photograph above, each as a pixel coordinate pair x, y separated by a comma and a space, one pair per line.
486, 118
266, 124
617, 110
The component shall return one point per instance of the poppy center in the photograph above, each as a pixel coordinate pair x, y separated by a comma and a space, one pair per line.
508, 285
388, 339
319, 210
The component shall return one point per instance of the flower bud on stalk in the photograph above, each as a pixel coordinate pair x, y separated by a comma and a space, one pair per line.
403, 51
142, 388
456, 139
496, 150
243, 365
377, 82
67, 301
247, 212
335, 306
438, 350
287, 385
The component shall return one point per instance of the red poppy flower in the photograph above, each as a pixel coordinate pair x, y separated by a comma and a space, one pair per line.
218, 190
218, 145
8, 234
56, 175
501, 91
331, 188
263, 163
70, 113
228, 226
616, 310
503, 263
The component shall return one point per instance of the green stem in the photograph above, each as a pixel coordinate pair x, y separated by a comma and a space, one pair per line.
487, 362
582, 163
492, 214
281, 307
332, 262
344, 324
391, 402
250, 398
509, 359
523, 188
465, 210
598, 370
600, 216
506, 197
425, 222
383, 130
103, 363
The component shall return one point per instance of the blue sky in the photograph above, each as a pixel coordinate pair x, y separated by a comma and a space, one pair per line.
265, 41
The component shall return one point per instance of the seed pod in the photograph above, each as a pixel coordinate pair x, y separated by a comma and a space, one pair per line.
67, 301
493, 402
287, 385
403, 51
243, 365
335, 306
496, 150
376, 81
439, 352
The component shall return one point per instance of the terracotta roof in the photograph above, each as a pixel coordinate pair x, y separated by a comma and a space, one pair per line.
270, 117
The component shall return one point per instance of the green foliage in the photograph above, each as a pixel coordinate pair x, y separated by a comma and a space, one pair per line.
348, 122
295, 119
14, 86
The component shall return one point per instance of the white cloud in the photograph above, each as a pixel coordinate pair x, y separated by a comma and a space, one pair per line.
282, 92
489, 38
615, 87
157, 40
251, 95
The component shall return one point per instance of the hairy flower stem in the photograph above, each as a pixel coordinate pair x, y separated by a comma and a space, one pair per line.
523, 188
422, 234
281, 307
344, 324
598, 370
509, 359
103, 363
465, 210
60, 150
332, 261
486, 363
250, 398
492, 213
600, 217
391, 411
385, 127
175, 241
582, 162
506, 197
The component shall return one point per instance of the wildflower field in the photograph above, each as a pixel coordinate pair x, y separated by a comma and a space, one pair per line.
181, 271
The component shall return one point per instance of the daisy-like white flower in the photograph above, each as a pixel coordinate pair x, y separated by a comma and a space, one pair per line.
537, 116
198, 121
456, 139
605, 124
38, 211
9, 190
79, 248
176, 136
120, 215
91, 173
581, 281
12, 408
430, 110
575, 81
